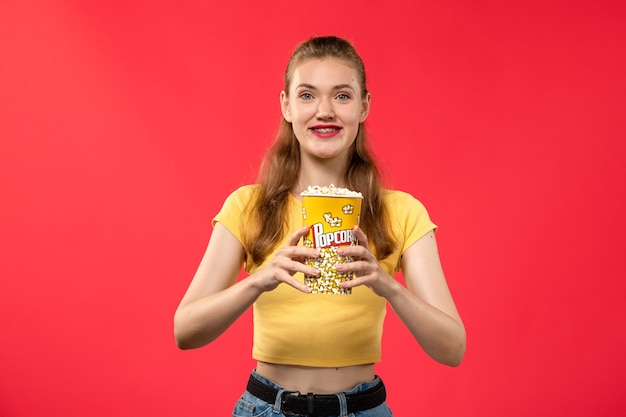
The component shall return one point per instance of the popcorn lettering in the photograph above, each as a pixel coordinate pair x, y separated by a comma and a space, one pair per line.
322, 240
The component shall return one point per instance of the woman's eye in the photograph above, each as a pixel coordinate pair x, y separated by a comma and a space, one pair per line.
306, 96
343, 96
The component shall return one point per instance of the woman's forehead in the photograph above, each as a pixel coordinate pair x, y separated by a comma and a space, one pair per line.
325, 72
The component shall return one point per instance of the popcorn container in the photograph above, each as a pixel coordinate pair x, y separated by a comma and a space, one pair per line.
331, 218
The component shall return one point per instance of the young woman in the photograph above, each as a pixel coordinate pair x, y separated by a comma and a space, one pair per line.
316, 353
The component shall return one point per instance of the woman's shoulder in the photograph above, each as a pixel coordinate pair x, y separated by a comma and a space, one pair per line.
407, 214
394, 197
235, 205
243, 192
401, 203
239, 198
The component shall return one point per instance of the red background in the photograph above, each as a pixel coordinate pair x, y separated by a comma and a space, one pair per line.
124, 125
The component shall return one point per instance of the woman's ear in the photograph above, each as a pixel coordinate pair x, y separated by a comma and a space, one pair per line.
367, 100
284, 106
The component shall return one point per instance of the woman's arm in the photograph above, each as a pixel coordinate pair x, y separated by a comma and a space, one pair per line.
425, 305
214, 299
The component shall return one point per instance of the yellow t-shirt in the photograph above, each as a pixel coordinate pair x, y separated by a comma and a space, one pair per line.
324, 330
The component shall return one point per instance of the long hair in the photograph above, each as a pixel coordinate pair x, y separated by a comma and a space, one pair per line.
281, 165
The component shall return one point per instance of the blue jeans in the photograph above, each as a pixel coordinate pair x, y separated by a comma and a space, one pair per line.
250, 406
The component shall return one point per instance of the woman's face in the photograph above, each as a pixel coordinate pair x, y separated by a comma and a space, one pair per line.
325, 107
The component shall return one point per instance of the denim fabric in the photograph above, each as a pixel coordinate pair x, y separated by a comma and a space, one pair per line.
250, 406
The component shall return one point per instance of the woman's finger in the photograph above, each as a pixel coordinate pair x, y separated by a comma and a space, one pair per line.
360, 236
359, 268
297, 235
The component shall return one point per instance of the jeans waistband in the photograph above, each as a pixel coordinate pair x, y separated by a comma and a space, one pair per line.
317, 405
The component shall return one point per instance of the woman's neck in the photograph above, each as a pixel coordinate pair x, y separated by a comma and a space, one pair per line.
320, 173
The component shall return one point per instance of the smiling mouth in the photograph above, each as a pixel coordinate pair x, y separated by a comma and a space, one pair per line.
325, 129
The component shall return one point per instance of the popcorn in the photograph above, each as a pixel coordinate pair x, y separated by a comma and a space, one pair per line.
329, 281
330, 190
331, 212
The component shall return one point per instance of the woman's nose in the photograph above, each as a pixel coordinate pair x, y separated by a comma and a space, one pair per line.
325, 110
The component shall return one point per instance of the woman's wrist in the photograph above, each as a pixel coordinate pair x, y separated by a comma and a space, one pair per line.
393, 289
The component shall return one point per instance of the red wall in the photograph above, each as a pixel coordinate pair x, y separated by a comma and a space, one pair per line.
124, 125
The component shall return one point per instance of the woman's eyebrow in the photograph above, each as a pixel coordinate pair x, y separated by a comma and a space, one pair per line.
307, 86
343, 86
337, 87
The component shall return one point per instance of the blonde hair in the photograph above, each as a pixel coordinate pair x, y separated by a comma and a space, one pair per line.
281, 165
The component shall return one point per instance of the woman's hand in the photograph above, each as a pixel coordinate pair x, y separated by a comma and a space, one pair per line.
425, 305
288, 260
366, 268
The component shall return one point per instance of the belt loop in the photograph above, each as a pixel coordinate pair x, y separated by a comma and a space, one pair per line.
343, 404
279, 401
310, 404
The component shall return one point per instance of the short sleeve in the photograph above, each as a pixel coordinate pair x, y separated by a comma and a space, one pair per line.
409, 218
232, 210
